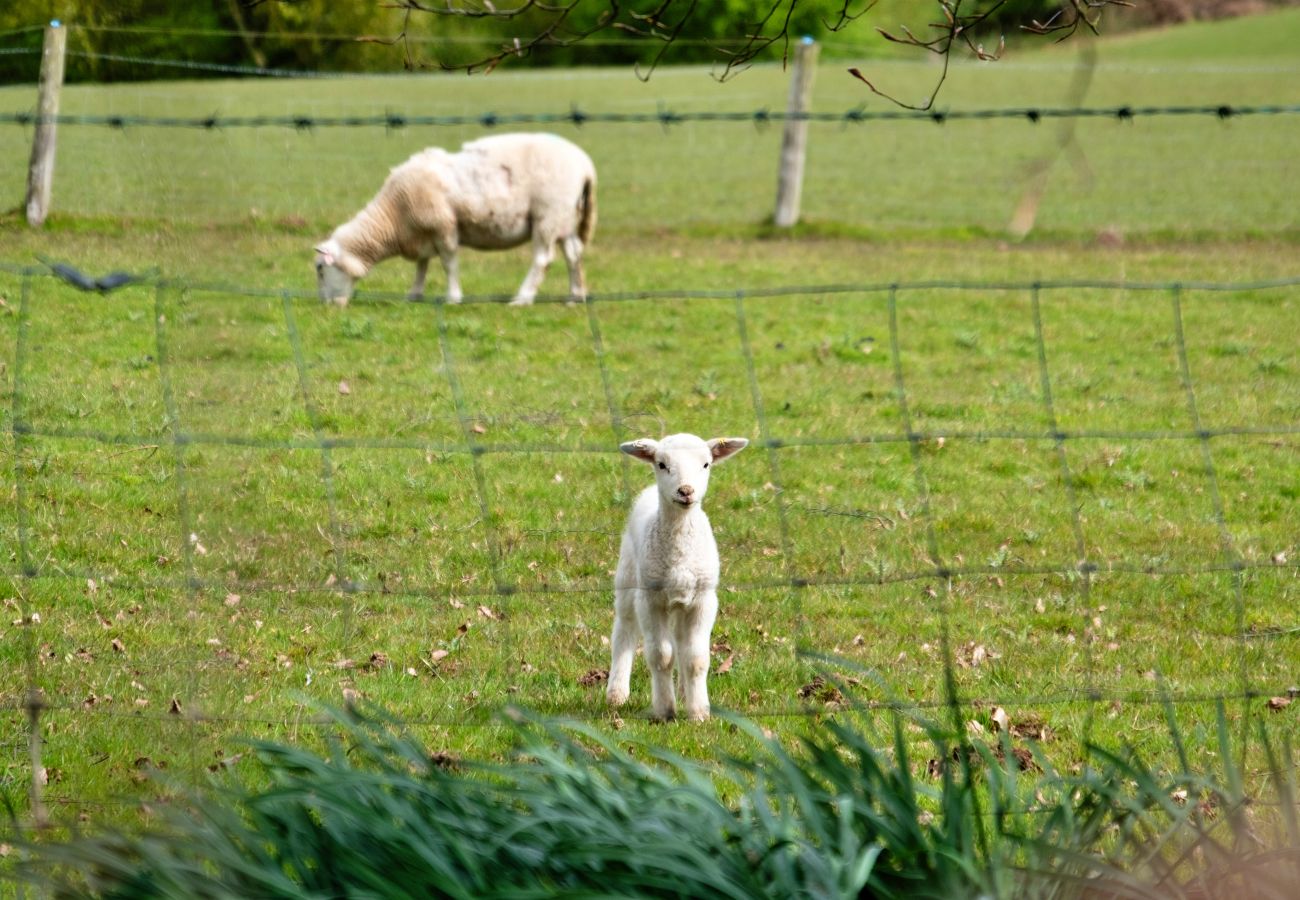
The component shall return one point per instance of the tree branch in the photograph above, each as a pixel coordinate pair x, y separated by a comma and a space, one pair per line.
555, 23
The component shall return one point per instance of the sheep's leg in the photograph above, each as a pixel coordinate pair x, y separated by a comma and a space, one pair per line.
659, 654
543, 253
692, 632
573, 259
451, 265
417, 288
622, 646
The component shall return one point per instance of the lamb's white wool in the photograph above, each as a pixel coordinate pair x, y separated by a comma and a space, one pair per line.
496, 193
666, 586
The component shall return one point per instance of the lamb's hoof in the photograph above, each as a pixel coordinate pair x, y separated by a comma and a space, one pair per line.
666, 716
452, 301
698, 715
521, 301
576, 300
615, 698
414, 297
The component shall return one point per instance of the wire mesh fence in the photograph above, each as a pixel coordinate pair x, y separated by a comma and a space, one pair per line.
1077, 514
219, 498
1039, 494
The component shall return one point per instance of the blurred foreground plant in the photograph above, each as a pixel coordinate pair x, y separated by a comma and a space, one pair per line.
575, 813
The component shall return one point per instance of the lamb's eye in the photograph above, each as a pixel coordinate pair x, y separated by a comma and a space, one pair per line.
706, 465
662, 466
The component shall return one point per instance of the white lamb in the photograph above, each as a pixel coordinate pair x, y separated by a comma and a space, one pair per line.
496, 193
666, 586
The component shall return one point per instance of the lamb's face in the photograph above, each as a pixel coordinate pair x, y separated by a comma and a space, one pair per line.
682, 463
682, 469
333, 285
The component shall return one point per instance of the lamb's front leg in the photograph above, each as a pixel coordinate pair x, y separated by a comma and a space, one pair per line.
417, 288
659, 656
693, 631
622, 646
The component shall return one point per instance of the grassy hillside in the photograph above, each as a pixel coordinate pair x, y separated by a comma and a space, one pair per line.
1268, 38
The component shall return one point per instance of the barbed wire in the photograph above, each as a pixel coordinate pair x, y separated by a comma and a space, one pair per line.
355, 38
665, 117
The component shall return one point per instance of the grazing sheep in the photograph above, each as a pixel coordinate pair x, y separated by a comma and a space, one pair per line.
666, 585
496, 193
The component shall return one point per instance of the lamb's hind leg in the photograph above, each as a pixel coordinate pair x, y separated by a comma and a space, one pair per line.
543, 253
692, 631
572, 246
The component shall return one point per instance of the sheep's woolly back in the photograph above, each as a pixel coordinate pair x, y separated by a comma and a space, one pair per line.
489, 195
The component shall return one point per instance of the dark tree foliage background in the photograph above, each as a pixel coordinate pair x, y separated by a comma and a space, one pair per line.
379, 35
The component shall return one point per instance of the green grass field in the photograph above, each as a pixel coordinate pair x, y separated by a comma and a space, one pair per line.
194, 476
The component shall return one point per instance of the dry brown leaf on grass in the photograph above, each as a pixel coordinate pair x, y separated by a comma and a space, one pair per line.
444, 759
593, 677
719, 648
486, 612
822, 692
1024, 759
1031, 728
972, 655
1277, 704
225, 762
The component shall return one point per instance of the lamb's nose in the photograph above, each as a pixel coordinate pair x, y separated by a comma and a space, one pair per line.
686, 491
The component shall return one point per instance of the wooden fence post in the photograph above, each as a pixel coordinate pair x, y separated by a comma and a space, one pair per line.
40, 172
36, 703
794, 142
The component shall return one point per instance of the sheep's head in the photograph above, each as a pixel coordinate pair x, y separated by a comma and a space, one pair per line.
682, 463
336, 275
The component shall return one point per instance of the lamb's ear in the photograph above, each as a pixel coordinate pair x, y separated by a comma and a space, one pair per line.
721, 448
323, 255
643, 449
